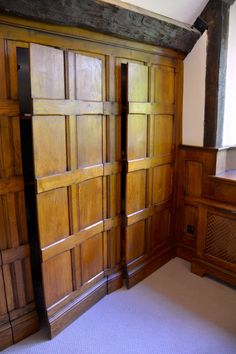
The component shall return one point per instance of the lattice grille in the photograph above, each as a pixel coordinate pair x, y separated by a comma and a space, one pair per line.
221, 238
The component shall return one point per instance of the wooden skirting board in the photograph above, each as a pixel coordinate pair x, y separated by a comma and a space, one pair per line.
201, 268
140, 272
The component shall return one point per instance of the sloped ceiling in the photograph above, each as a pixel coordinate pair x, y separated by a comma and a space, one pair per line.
181, 10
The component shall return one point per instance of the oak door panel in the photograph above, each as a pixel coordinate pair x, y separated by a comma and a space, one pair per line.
164, 84
47, 72
137, 83
162, 183
7, 163
160, 228
53, 216
49, 153
163, 135
89, 135
89, 72
18, 282
135, 195
193, 179
135, 240
90, 202
57, 278
137, 137
92, 257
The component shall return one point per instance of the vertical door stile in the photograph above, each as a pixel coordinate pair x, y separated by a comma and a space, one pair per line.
105, 97
72, 165
150, 138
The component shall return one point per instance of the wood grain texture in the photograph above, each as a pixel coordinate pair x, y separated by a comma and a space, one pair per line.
151, 139
50, 158
17, 299
84, 151
110, 19
77, 205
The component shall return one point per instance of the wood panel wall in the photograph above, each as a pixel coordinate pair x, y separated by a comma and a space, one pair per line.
151, 139
18, 316
76, 85
203, 185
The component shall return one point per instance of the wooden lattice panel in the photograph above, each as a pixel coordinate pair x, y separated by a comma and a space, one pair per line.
221, 238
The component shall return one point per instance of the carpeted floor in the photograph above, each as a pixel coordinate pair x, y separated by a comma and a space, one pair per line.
171, 312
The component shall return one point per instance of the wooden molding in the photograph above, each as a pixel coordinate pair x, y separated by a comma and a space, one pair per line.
108, 18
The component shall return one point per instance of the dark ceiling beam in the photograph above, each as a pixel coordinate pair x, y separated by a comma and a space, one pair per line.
229, 2
215, 17
106, 18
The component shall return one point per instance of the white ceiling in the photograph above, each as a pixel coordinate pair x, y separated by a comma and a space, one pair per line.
181, 10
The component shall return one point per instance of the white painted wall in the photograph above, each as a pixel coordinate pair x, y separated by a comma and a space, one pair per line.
182, 10
229, 133
194, 93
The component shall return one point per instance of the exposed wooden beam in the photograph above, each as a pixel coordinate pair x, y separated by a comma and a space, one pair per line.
107, 18
215, 17
229, 2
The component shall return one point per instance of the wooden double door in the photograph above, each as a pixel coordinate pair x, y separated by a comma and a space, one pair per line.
77, 164
104, 130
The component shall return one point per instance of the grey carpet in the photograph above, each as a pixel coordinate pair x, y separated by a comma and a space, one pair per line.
171, 312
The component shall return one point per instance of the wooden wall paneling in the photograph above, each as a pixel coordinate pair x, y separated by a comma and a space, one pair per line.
151, 100
75, 180
68, 181
16, 270
166, 92
195, 165
224, 189
6, 338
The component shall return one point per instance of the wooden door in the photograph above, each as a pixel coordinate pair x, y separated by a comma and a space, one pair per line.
77, 204
18, 317
150, 150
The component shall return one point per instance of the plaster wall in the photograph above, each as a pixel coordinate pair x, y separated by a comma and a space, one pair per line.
194, 93
229, 133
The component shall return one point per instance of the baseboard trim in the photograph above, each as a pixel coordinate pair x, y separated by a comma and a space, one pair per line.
114, 282
139, 273
24, 326
6, 338
185, 252
77, 307
201, 268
